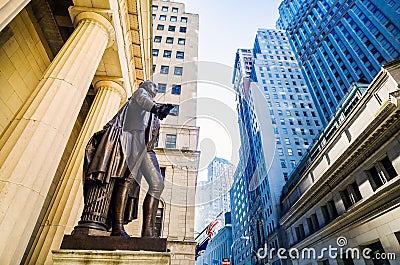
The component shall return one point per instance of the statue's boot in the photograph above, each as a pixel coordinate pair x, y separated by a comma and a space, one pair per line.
121, 197
150, 206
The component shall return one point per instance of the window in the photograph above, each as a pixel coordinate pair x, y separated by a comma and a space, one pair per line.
283, 163
329, 211
182, 29
155, 7
160, 27
180, 55
164, 9
287, 141
174, 10
173, 18
377, 248
162, 88
164, 69
290, 151
163, 17
167, 54
174, 111
278, 140
313, 223
178, 70
299, 152
157, 39
285, 176
171, 28
155, 52
300, 234
169, 40
181, 41
280, 151
170, 141
292, 163
381, 172
184, 19
176, 89
350, 195
153, 16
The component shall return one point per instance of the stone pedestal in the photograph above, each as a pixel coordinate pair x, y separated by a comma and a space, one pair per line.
101, 257
85, 239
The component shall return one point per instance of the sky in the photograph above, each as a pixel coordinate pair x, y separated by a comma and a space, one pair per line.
225, 26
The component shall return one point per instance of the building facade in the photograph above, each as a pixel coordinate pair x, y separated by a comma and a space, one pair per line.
66, 67
338, 43
348, 184
290, 125
240, 192
212, 195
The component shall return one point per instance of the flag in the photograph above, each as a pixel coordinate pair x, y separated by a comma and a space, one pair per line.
210, 228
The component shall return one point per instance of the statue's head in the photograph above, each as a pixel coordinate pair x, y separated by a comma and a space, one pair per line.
150, 87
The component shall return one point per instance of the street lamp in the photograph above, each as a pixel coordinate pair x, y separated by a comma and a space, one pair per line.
233, 243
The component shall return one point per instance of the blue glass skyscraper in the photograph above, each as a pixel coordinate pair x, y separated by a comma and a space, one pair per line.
278, 122
340, 42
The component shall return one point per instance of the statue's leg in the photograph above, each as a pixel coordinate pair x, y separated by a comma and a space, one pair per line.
121, 191
152, 174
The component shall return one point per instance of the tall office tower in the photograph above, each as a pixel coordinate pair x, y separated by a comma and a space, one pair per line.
292, 124
175, 49
340, 42
240, 192
212, 195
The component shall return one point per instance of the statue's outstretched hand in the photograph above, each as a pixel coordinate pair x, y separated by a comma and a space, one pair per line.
164, 110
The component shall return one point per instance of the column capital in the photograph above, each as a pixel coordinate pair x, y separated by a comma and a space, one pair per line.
110, 84
101, 16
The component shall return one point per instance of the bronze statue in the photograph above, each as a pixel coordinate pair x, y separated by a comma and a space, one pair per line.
116, 158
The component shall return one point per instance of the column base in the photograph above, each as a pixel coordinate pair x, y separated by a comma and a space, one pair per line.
93, 241
101, 257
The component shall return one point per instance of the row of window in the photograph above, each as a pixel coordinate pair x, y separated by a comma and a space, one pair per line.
172, 18
291, 122
296, 113
295, 131
175, 89
283, 96
289, 152
289, 89
294, 105
378, 174
165, 70
165, 9
168, 54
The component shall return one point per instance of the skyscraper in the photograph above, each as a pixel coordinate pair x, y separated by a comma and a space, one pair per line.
175, 49
275, 132
212, 195
340, 42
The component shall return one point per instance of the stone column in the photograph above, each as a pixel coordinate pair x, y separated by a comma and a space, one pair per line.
32, 146
69, 192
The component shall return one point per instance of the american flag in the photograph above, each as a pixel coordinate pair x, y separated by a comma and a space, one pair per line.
210, 228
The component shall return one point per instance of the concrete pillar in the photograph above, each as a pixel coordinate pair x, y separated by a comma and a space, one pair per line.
64, 208
32, 146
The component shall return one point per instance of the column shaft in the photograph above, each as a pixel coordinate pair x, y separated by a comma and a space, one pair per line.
32, 146
69, 191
